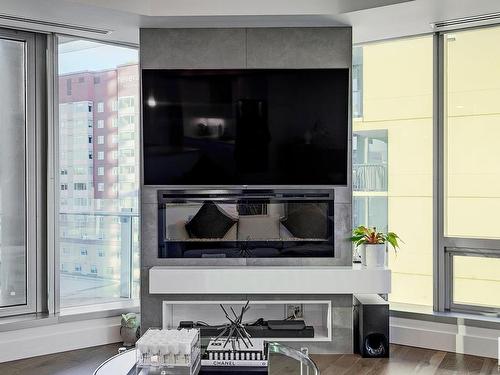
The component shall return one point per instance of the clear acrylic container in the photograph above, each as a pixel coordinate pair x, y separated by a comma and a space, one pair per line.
169, 351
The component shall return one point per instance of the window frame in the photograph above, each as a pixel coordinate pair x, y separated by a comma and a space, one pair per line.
33, 179
447, 247
106, 308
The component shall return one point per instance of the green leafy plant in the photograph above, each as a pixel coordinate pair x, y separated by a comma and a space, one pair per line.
370, 236
129, 320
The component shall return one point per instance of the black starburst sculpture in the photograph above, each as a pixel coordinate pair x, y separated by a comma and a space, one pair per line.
235, 330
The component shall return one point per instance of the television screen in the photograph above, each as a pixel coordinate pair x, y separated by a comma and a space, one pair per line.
245, 127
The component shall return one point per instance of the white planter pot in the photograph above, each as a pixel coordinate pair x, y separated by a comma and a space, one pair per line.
375, 255
362, 254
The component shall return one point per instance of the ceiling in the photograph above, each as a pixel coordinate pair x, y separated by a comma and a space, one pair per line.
370, 19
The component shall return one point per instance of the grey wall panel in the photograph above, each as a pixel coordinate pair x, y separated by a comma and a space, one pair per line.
247, 48
192, 48
343, 227
299, 47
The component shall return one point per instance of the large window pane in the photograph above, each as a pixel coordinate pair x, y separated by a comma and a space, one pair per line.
13, 254
476, 281
392, 156
472, 130
99, 172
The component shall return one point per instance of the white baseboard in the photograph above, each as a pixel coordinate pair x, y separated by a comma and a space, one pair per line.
447, 337
60, 337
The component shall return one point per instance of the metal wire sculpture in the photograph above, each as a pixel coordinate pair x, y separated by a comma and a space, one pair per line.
235, 330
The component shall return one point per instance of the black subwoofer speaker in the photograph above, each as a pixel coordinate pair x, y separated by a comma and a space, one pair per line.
371, 326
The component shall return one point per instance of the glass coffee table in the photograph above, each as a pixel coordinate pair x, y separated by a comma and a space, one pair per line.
281, 360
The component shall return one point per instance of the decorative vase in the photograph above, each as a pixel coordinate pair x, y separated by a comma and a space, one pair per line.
375, 255
129, 335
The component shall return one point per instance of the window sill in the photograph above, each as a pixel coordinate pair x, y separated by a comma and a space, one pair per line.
77, 313
426, 313
104, 310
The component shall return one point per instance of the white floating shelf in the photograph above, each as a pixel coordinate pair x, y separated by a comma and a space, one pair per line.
269, 280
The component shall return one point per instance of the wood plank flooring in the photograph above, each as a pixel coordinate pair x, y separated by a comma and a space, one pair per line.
404, 360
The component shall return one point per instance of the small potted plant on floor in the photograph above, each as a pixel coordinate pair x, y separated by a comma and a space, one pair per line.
373, 245
129, 329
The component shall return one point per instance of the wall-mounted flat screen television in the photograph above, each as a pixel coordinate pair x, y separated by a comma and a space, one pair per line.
245, 127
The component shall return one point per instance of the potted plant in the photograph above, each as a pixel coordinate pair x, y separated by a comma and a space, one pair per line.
373, 245
129, 330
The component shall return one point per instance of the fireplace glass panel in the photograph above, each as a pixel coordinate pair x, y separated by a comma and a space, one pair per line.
229, 225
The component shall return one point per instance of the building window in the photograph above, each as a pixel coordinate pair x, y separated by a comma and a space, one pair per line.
114, 122
90, 140
126, 102
88, 224
64, 172
83, 252
114, 171
64, 186
68, 87
79, 186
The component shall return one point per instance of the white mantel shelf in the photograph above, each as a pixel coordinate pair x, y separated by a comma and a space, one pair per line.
269, 280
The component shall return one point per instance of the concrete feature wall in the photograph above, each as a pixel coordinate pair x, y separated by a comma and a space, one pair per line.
241, 48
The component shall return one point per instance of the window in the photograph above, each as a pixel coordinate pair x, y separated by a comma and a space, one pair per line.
126, 102
68, 87
80, 186
393, 156
64, 172
14, 252
114, 171
64, 186
93, 227
471, 168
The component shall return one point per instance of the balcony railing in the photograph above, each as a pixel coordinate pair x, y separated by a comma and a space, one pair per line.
369, 177
95, 268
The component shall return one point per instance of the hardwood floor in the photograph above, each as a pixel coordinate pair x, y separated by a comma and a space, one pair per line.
404, 360
407, 360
